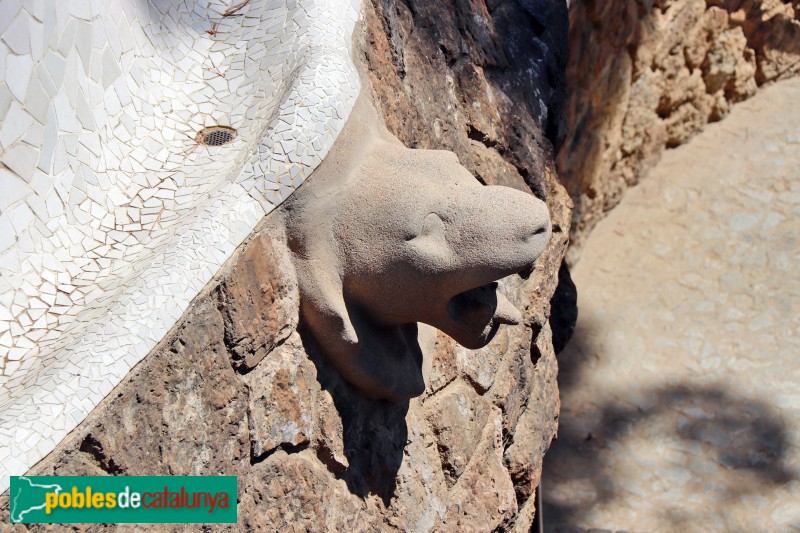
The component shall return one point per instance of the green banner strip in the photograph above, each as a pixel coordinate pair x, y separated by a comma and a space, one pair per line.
123, 499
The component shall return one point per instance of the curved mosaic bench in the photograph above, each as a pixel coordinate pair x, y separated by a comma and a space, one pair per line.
141, 142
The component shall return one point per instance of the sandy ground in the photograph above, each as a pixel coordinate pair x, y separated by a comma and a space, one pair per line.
681, 387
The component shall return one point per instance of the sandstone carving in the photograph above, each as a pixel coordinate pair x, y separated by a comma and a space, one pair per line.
386, 237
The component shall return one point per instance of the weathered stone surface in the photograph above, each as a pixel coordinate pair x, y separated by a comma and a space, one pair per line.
480, 366
644, 76
178, 414
523, 456
327, 434
514, 379
443, 363
293, 492
421, 492
281, 405
259, 300
483, 497
457, 417
239, 388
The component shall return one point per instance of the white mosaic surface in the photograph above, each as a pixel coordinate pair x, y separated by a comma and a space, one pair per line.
112, 216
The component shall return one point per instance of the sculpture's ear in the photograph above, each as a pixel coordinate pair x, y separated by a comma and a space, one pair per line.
432, 238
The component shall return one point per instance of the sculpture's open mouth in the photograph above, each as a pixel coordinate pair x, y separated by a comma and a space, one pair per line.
478, 313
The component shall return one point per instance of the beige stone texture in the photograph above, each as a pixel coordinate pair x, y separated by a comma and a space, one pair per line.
681, 407
646, 76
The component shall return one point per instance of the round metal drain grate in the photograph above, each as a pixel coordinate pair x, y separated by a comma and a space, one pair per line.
216, 135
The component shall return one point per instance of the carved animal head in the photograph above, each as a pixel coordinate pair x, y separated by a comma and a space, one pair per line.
393, 236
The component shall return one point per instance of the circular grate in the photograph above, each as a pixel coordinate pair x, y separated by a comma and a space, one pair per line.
216, 135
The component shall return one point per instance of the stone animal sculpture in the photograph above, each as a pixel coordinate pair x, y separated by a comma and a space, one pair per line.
385, 237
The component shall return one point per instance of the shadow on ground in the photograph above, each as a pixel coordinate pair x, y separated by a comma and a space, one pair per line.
708, 423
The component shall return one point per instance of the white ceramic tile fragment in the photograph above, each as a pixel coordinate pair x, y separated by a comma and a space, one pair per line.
18, 74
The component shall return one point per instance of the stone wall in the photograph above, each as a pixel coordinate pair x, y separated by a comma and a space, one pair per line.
238, 386
647, 75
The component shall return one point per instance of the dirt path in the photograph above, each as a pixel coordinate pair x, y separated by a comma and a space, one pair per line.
681, 387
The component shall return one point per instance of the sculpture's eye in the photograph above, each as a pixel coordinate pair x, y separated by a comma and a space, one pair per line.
432, 238
432, 225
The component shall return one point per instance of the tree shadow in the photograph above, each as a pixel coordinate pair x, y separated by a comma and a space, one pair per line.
374, 431
743, 439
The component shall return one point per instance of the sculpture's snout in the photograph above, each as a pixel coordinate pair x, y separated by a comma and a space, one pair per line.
505, 232
522, 217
